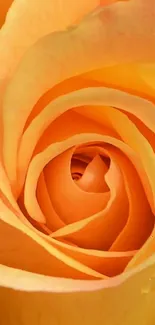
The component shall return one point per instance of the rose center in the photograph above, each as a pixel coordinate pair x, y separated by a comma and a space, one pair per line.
88, 170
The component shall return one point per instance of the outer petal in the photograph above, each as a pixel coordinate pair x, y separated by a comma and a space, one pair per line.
29, 20
126, 303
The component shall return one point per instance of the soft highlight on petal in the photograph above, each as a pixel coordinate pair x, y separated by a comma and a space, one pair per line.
112, 38
94, 217
34, 299
29, 22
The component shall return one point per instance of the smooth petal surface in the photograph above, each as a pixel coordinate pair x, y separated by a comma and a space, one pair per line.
141, 220
4, 7
110, 221
45, 62
41, 165
85, 97
147, 73
119, 304
11, 218
93, 178
27, 22
127, 77
42, 159
18, 250
79, 204
51, 218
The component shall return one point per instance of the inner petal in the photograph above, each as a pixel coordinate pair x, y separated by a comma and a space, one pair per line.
53, 221
69, 200
93, 179
78, 167
141, 220
54, 115
108, 263
100, 230
130, 135
42, 159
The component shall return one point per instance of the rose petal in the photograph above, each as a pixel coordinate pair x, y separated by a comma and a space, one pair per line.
141, 220
101, 261
141, 25
92, 179
28, 23
78, 167
16, 253
57, 131
52, 219
89, 96
131, 301
98, 96
130, 135
18, 250
108, 263
4, 8
10, 218
147, 72
52, 111
126, 77
112, 38
69, 200
146, 251
89, 232
107, 2
42, 159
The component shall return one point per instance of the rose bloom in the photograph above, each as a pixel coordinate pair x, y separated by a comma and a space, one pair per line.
77, 162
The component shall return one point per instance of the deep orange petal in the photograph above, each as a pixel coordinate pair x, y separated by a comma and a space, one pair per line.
4, 7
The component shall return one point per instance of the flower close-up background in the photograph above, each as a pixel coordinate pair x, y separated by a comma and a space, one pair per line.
77, 162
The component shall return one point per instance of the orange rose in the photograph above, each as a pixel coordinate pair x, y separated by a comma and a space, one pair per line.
77, 167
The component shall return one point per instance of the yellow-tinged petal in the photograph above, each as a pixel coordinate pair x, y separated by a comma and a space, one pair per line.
28, 21
18, 250
52, 219
128, 302
110, 30
11, 218
131, 136
89, 231
64, 192
84, 97
42, 159
147, 73
97, 96
127, 77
